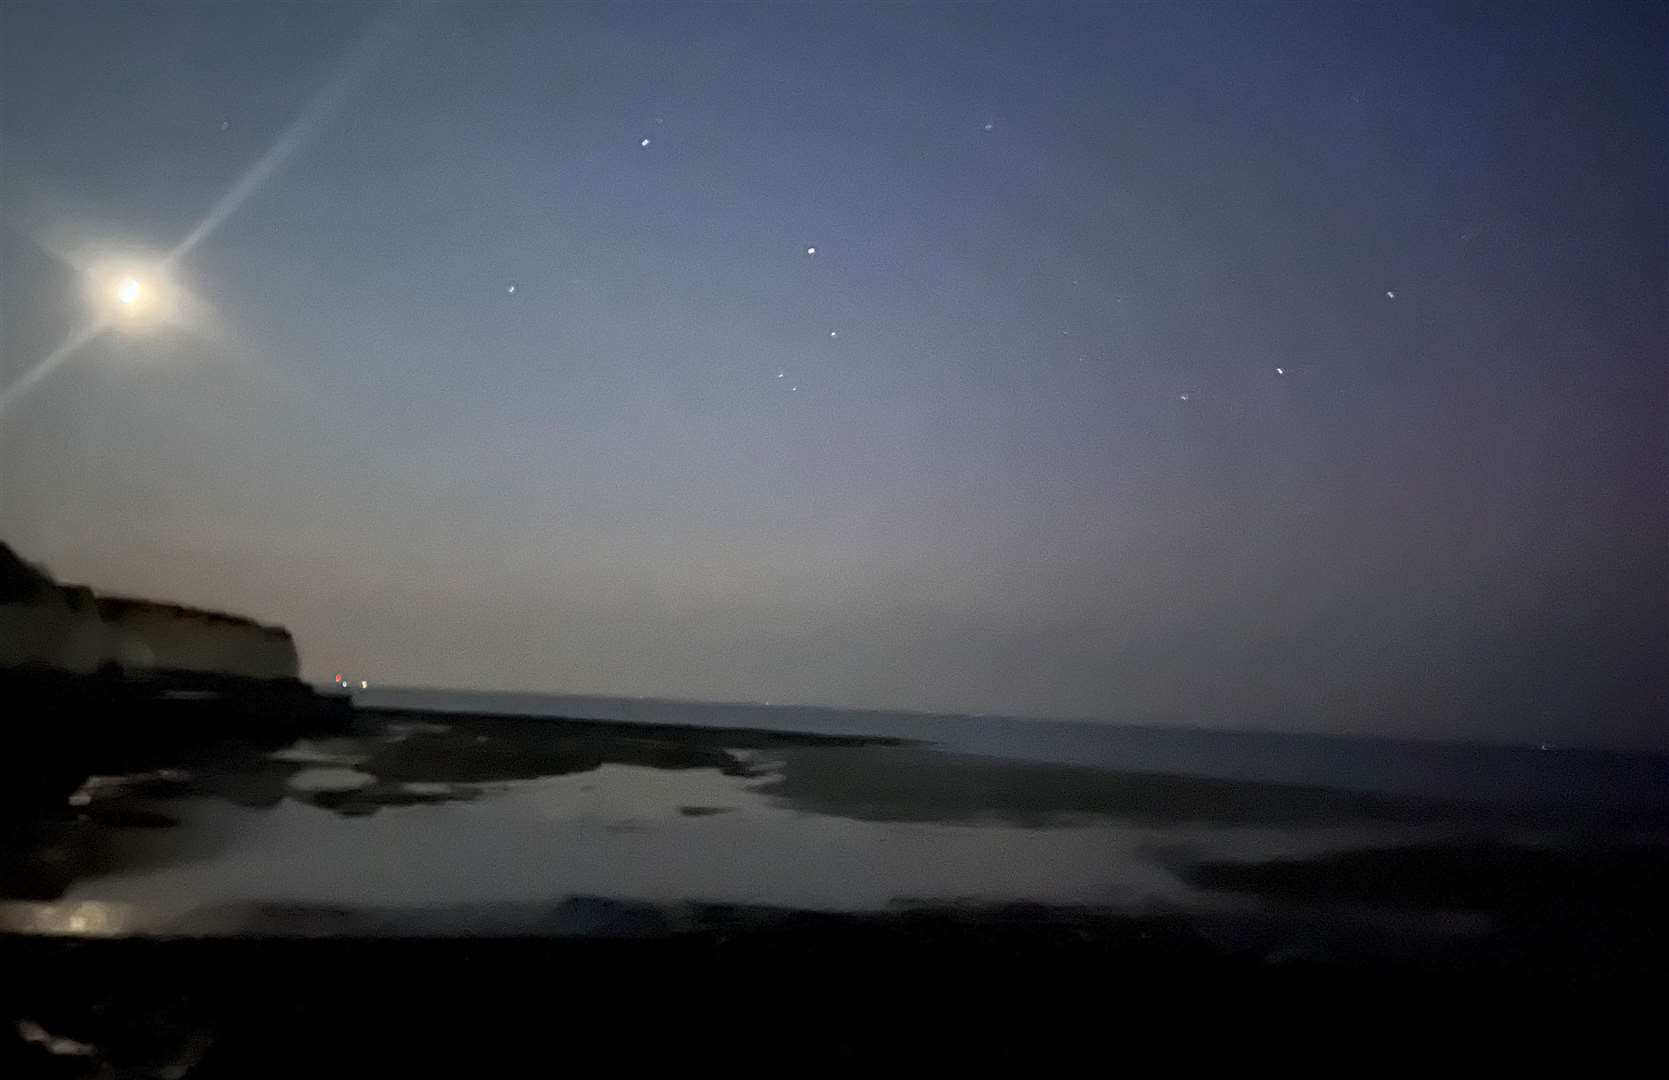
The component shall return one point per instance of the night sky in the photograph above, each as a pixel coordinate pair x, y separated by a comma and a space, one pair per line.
1293, 366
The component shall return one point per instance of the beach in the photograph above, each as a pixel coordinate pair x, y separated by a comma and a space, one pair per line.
492, 844
426, 822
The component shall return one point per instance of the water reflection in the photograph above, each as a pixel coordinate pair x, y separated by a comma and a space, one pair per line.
473, 824
390, 761
395, 761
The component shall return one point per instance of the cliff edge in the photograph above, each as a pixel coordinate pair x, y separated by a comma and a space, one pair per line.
45, 625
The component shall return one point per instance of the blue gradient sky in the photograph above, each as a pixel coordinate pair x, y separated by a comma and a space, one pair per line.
1037, 227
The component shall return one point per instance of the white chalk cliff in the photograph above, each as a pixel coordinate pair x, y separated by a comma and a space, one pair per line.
70, 628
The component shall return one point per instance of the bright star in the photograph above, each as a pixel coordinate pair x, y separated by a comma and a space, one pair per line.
1389, 295
128, 291
644, 143
811, 251
1280, 371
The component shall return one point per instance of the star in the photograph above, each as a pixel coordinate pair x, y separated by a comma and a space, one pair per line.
1183, 397
780, 374
811, 251
1389, 295
645, 142
834, 333
510, 289
1280, 371
224, 124
988, 125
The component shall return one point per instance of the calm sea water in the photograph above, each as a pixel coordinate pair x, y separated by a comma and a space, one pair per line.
473, 813
1472, 771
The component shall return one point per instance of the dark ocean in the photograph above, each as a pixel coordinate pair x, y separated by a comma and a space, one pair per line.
1441, 770
448, 813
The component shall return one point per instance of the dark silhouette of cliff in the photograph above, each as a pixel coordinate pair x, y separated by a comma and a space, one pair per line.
109, 684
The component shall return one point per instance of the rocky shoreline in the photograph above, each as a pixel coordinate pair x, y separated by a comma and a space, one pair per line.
63, 728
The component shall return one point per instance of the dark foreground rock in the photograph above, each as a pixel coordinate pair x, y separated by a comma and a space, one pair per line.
1011, 987
59, 728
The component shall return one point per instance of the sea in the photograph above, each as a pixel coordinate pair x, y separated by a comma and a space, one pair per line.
1490, 772
448, 813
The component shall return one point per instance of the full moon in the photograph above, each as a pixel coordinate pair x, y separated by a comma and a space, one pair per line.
134, 294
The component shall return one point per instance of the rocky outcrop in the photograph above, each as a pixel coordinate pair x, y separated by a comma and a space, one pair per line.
73, 630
